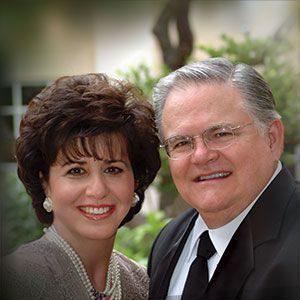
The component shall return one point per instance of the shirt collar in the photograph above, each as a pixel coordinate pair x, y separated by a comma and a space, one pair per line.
221, 236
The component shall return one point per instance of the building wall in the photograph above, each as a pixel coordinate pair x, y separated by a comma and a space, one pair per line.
53, 39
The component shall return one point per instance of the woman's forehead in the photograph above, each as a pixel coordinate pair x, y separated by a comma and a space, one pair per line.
111, 146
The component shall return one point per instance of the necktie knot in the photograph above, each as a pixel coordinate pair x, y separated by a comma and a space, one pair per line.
206, 248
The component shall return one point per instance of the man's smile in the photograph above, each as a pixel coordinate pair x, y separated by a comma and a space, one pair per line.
216, 175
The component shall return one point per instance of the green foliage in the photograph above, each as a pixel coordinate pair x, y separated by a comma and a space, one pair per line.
284, 81
20, 224
251, 51
136, 242
143, 77
165, 183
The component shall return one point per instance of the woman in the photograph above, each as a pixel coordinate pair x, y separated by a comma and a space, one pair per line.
87, 151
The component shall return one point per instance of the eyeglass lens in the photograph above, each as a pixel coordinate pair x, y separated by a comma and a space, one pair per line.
214, 138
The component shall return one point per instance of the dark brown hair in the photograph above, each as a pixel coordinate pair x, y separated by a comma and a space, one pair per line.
82, 108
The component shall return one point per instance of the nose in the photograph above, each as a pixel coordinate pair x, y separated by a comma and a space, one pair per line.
96, 187
202, 154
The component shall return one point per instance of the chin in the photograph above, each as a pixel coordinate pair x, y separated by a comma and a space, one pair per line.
210, 205
98, 237
98, 233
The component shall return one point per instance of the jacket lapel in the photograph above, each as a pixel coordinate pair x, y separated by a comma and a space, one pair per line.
268, 212
168, 262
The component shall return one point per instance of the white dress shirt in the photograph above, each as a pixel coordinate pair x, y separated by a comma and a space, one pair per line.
220, 237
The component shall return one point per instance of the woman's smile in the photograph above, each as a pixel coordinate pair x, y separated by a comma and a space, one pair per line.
97, 212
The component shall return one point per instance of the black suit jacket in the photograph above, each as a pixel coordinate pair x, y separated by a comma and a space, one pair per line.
262, 261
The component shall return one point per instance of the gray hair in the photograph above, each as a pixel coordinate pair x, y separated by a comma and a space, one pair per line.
258, 99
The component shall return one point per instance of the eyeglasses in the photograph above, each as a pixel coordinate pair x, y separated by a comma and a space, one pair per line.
215, 138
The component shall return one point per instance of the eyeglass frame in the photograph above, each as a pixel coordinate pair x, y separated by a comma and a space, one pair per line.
193, 138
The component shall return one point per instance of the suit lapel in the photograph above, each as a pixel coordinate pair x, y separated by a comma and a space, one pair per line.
268, 212
169, 260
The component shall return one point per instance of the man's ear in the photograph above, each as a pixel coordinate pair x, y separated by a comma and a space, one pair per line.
276, 138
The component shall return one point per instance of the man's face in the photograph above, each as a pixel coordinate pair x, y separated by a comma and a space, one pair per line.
241, 170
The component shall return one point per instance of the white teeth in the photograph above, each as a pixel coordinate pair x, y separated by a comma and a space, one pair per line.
95, 210
212, 176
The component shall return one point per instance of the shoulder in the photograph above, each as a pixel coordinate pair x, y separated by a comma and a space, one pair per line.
27, 270
134, 278
26, 256
175, 227
297, 190
32, 255
291, 217
171, 233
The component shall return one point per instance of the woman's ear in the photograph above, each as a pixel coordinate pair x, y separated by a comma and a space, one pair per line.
43, 182
136, 184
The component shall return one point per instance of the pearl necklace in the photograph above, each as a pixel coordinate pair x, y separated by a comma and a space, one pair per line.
113, 282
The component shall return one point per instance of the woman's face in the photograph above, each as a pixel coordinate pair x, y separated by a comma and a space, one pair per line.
91, 196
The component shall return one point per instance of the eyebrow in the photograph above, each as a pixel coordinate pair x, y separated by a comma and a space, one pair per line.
69, 162
82, 162
219, 125
214, 126
110, 161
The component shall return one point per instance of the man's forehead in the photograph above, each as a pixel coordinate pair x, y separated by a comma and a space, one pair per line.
204, 97
202, 105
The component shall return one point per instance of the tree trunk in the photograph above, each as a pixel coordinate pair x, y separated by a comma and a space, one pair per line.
174, 56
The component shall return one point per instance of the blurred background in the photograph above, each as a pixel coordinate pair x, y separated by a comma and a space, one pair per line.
140, 41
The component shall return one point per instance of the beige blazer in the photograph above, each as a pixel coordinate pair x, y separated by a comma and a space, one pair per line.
41, 270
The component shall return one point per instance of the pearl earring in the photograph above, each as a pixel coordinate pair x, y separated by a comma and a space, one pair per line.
48, 205
135, 199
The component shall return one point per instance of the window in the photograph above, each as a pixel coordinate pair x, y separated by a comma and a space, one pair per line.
13, 101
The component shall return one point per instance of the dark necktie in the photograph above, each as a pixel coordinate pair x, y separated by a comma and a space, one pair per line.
197, 278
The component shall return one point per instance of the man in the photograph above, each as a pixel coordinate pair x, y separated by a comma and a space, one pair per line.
224, 139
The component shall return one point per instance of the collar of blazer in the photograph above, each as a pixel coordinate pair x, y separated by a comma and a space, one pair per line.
267, 215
